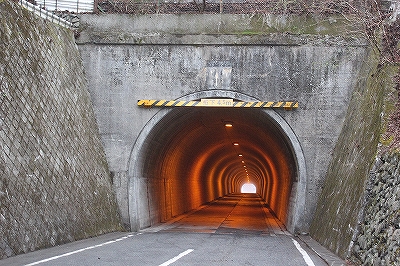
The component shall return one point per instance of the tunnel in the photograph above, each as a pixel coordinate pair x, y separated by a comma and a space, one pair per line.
194, 155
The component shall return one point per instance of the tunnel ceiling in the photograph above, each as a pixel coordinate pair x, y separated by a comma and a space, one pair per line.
193, 150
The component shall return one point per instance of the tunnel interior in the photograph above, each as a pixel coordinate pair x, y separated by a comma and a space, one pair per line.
193, 156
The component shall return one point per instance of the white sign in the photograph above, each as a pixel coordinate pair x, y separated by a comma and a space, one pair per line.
216, 102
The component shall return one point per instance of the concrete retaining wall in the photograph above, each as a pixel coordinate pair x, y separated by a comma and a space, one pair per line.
54, 181
352, 220
341, 198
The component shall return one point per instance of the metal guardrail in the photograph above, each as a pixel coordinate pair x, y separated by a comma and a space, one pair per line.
39, 11
75, 6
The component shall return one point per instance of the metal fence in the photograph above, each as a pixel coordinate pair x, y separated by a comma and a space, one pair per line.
39, 11
74, 6
207, 6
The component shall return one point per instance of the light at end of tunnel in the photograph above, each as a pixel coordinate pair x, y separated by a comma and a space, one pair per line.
248, 188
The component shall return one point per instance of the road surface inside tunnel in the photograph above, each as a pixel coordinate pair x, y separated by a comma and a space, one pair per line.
232, 214
238, 229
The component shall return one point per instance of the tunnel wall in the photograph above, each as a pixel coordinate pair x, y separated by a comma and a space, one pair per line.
265, 57
54, 180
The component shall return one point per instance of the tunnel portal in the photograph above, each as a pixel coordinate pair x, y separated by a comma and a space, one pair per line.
193, 156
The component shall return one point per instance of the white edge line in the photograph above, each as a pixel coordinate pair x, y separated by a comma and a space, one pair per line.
176, 258
78, 251
306, 257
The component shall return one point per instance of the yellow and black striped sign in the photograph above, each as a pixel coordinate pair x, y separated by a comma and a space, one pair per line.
217, 103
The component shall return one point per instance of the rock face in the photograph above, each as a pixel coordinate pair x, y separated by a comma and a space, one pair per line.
378, 241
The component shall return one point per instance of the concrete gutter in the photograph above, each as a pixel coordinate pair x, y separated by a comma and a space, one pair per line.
329, 257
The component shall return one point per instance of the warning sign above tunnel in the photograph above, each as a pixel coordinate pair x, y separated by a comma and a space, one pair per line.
219, 102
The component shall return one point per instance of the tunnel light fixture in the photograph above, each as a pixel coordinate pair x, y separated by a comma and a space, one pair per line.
235, 144
240, 155
242, 161
228, 124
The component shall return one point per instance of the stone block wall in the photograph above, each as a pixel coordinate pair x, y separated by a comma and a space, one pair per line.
55, 185
378, 240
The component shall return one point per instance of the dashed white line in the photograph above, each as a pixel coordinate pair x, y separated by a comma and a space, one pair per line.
176, 258
78, 251
307, 258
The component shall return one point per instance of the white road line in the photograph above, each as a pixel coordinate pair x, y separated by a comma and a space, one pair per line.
304, 253
176, 258
78, 251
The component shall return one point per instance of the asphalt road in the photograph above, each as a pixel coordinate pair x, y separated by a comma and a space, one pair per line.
235, 230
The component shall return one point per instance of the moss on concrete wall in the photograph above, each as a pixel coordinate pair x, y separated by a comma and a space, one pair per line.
342, 199
54, 180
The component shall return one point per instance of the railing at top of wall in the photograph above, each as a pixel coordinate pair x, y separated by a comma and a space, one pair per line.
75, 6
39, 11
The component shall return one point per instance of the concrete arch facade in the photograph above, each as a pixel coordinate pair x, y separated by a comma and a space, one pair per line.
138, 186
319, 73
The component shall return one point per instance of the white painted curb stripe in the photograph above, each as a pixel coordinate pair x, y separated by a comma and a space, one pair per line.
307, 258
78, 251
176, 258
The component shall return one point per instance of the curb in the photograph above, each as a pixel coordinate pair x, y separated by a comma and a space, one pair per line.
329, 257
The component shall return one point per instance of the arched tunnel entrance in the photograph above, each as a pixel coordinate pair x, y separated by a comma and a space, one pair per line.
192, 156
